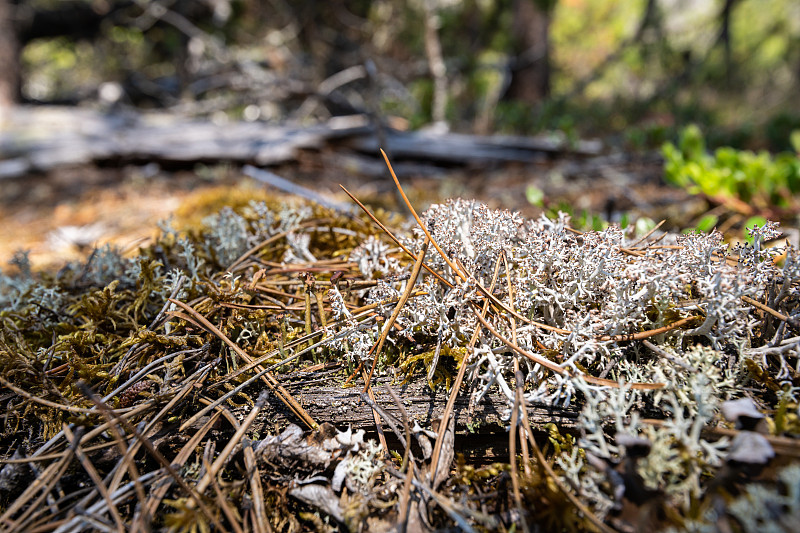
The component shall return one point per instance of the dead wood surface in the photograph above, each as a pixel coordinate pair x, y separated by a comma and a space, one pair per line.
40, 139
457, 148
327, 402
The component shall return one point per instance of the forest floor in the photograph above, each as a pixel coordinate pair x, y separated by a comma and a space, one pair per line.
237, 295
60, 214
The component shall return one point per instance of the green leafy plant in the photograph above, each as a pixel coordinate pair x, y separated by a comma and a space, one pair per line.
534, 195
707, 223
760, 180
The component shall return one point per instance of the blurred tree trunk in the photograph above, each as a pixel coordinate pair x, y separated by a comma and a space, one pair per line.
9, 58
725, 36
530, 68
331, 43
433, 50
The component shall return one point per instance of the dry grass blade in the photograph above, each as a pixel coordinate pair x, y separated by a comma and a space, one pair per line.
556, 368
650, 332
523, 442
780, 316
634, 253
75, 440
154, 500
453, 510
435, 361
613, 338
48, 403
663, 353
519, 403
66, 455
379, 223
233, 519
512, 448
451, 400
646, 236
147, 369
186, 318
44, 483
236, 390
127, 456
320, 307
260, 521
501, 306
187, 386
263, 244
257, 363
268, 378
78, 523
307, 310
51, 456
408, 463
390, 420
375, 352
391, 236
376, 416
165, 464
785, 446
222, 458
57, 439
460, 376
427, 233
593, 519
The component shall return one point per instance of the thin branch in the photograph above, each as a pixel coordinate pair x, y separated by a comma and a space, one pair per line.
780, 316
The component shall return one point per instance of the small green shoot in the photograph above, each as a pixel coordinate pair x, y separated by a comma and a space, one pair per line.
534, 195
707, 223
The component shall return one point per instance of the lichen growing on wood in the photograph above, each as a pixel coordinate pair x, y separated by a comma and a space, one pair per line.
130, 383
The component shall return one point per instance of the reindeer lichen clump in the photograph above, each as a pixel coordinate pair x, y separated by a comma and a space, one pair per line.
596, 305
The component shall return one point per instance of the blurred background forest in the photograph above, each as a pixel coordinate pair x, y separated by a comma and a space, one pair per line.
691, 107
630, 72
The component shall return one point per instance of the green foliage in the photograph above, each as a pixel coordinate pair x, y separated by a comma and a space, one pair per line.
707, 223
534, 195
759, 179
780, 131
585, 220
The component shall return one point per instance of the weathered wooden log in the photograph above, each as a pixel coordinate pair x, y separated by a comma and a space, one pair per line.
343, 406
41, 139
457, 148
38, 139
